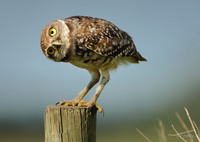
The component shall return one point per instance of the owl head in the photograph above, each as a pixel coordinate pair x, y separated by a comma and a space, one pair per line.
55, 40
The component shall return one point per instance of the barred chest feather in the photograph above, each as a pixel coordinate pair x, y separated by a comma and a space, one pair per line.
88, 59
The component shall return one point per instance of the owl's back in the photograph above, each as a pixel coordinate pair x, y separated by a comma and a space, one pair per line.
103, 38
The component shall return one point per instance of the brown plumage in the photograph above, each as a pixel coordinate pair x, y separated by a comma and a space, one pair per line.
90, 43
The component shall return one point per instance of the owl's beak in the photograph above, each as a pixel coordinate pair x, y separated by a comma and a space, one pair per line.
57, 43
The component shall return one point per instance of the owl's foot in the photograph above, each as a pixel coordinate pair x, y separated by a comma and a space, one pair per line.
70, 103
91, 104
81, 103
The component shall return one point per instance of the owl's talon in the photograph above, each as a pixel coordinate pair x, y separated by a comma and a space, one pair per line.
62, 103
76, 104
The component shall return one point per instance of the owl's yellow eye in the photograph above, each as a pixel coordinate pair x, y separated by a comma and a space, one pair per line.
52, 31
50, 51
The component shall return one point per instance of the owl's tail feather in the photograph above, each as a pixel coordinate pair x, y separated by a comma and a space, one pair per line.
138, 57
142, 59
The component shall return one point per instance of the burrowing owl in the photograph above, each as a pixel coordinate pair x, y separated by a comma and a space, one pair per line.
90, 43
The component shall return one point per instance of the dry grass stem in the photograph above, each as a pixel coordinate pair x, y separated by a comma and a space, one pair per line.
181, 121
181, 133
196, 128
143, 135
184, 126
178, 134
191, 122
161, 132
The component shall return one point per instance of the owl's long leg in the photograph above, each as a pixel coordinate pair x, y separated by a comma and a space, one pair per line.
104, 81
95, 76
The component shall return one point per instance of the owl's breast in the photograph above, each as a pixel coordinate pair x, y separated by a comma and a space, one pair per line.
92, 61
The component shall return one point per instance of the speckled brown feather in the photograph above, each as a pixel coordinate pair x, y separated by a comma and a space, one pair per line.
104, 38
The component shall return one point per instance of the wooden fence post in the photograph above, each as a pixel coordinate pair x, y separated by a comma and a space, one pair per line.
70, 124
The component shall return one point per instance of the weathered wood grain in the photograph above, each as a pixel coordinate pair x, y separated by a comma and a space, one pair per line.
70, 124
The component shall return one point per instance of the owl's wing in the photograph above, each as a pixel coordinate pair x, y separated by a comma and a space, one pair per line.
106, 39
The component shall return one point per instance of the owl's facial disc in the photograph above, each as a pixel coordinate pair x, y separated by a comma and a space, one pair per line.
55, 40
52, 50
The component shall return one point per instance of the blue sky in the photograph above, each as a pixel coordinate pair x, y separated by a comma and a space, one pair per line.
166, 33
